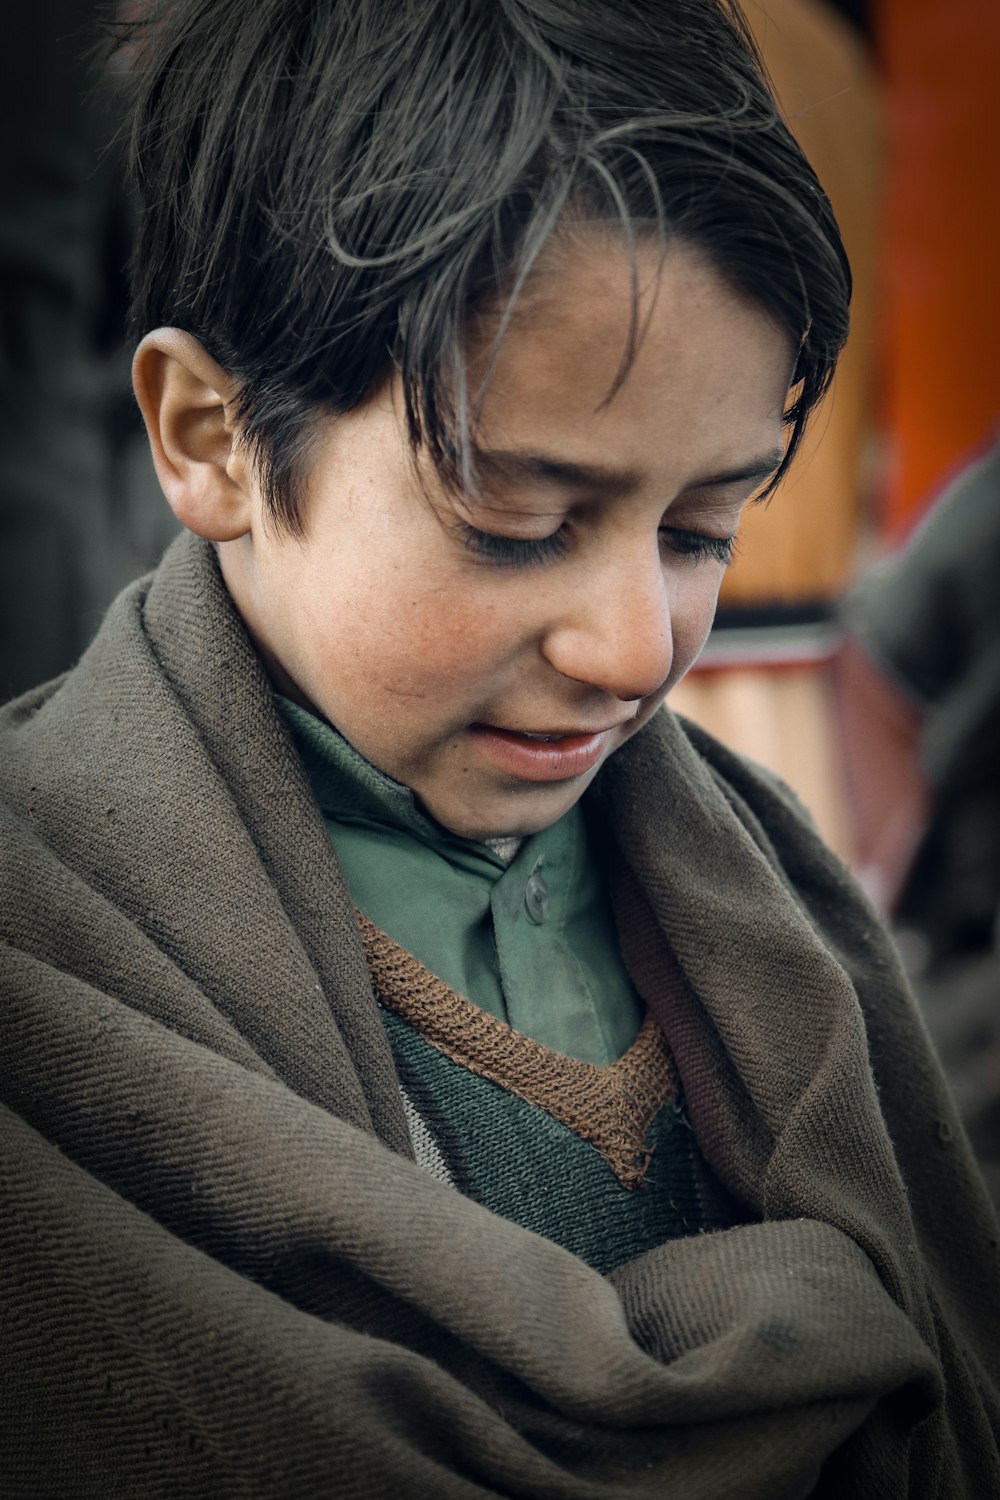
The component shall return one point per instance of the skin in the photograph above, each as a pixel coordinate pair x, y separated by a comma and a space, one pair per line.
435, 651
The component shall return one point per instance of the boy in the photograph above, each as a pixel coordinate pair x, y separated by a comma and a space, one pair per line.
430, 1068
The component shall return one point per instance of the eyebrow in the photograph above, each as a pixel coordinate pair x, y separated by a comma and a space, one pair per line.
509, 466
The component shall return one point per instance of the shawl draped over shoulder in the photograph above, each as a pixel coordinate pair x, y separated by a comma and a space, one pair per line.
222, 1272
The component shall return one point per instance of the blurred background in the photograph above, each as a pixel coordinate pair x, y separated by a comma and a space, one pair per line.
857, 647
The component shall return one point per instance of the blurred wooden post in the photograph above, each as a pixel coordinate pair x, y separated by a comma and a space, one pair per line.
941, 316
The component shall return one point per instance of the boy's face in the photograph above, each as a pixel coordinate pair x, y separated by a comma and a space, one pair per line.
491, 653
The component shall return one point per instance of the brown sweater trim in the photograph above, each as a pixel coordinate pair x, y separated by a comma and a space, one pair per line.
611, 1106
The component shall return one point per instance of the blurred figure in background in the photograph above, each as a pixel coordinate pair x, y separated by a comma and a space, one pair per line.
80, 511
920, 678
928, 620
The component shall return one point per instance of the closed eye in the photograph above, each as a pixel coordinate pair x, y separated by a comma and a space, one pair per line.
698, 545
514, 551
537, 552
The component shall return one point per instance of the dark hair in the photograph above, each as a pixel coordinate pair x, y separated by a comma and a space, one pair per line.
330, 186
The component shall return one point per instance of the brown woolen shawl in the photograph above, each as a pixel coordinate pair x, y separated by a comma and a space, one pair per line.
222, 1272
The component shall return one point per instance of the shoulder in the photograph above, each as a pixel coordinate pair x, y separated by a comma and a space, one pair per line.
107, 772
693, 812
680, 754
756, 783
61, 744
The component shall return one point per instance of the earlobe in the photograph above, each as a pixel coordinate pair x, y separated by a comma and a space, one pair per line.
185, 399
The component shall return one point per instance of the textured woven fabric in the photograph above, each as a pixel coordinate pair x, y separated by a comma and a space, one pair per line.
222, 1273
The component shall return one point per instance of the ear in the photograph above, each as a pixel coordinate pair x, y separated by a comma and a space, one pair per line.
186, 402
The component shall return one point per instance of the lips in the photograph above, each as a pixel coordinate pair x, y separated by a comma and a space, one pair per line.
542, 755
548, 735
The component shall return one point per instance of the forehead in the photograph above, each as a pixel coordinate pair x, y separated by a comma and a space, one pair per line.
706, 387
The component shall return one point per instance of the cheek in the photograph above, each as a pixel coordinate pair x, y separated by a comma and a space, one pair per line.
692, 615
430, 647
454, 631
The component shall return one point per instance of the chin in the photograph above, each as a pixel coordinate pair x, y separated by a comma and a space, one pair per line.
503, 819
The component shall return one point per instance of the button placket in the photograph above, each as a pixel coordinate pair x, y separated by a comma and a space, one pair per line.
537, 901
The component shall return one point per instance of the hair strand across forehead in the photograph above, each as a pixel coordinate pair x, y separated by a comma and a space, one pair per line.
331, 189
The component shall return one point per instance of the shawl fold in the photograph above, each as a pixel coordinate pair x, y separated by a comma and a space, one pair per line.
224, 1275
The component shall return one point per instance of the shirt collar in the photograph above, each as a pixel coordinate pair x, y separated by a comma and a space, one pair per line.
349, 788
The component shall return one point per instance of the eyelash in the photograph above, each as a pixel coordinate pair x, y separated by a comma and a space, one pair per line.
518, 552
514, 551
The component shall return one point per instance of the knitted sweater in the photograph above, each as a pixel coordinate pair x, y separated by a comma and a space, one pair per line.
601, 1159
222, 1272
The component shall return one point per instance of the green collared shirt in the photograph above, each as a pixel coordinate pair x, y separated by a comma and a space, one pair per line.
532, 941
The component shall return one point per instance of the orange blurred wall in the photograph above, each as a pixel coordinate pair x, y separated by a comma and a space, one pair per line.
941, 294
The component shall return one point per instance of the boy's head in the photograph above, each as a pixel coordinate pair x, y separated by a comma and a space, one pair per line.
400, 234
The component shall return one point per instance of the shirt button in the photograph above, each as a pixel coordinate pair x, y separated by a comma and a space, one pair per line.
536, 898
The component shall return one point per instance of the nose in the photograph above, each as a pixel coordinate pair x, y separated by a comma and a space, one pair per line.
613, 631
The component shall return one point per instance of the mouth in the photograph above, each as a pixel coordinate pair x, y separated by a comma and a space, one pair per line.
551, 736
543, 754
